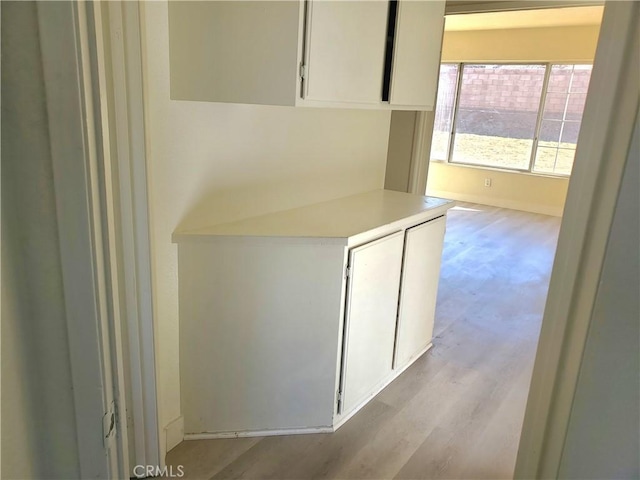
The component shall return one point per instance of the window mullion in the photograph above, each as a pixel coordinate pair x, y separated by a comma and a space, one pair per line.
543, 100
454, 118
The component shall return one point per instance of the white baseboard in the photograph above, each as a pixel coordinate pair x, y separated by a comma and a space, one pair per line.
174, 432
342, 419
499, 202
257, 433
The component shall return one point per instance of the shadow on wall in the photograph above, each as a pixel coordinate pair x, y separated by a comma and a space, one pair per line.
258, 198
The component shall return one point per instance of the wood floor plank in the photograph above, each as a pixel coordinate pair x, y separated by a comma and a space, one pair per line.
392, 446
306, 456
205, 458
457, 411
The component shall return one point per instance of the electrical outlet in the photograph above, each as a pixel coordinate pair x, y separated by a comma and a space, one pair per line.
487, 182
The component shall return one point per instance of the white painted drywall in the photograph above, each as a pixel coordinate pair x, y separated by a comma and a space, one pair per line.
38, 420
603, 438
543, 44
400, 150
227, 161
519, 191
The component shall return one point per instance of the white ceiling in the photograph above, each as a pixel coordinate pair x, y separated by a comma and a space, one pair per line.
548, 17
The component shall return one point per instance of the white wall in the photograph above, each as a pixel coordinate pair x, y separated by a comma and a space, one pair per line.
212, 163
519, 191
603, 438
541, 44
400, 150
38, 420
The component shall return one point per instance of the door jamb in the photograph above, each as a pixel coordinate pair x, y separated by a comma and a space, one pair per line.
80, 177
124, 64
605, 137
593, 190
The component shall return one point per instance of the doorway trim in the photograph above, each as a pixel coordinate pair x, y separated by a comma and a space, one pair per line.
603, 146
123, 87
82, 201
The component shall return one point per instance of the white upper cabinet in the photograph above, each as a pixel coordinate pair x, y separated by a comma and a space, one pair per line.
352, 54
235, 51
416, 53
346, 51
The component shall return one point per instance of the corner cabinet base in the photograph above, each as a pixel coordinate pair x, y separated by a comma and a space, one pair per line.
339, 420
289, 322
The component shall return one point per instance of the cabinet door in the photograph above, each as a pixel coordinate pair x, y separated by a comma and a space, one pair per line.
345, 50
370, 323
416, 53
420, 275
234, 51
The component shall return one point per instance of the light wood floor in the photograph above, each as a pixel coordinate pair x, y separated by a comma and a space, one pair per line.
457, 412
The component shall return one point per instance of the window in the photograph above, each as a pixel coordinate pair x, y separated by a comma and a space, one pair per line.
497, 115
523, 117
561, 117
445, 102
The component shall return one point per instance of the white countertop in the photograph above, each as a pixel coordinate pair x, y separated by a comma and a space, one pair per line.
341, 219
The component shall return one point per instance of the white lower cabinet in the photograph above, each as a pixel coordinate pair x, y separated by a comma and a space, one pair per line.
370, 325
290, 323
391, 302
420, 275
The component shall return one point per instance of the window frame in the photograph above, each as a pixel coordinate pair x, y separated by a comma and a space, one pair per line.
534, 148
456, 93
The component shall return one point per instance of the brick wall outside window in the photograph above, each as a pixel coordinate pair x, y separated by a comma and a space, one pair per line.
518, 90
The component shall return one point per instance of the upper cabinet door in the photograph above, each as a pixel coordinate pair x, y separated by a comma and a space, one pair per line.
355, 53
235, 51
345, 49
416, 53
